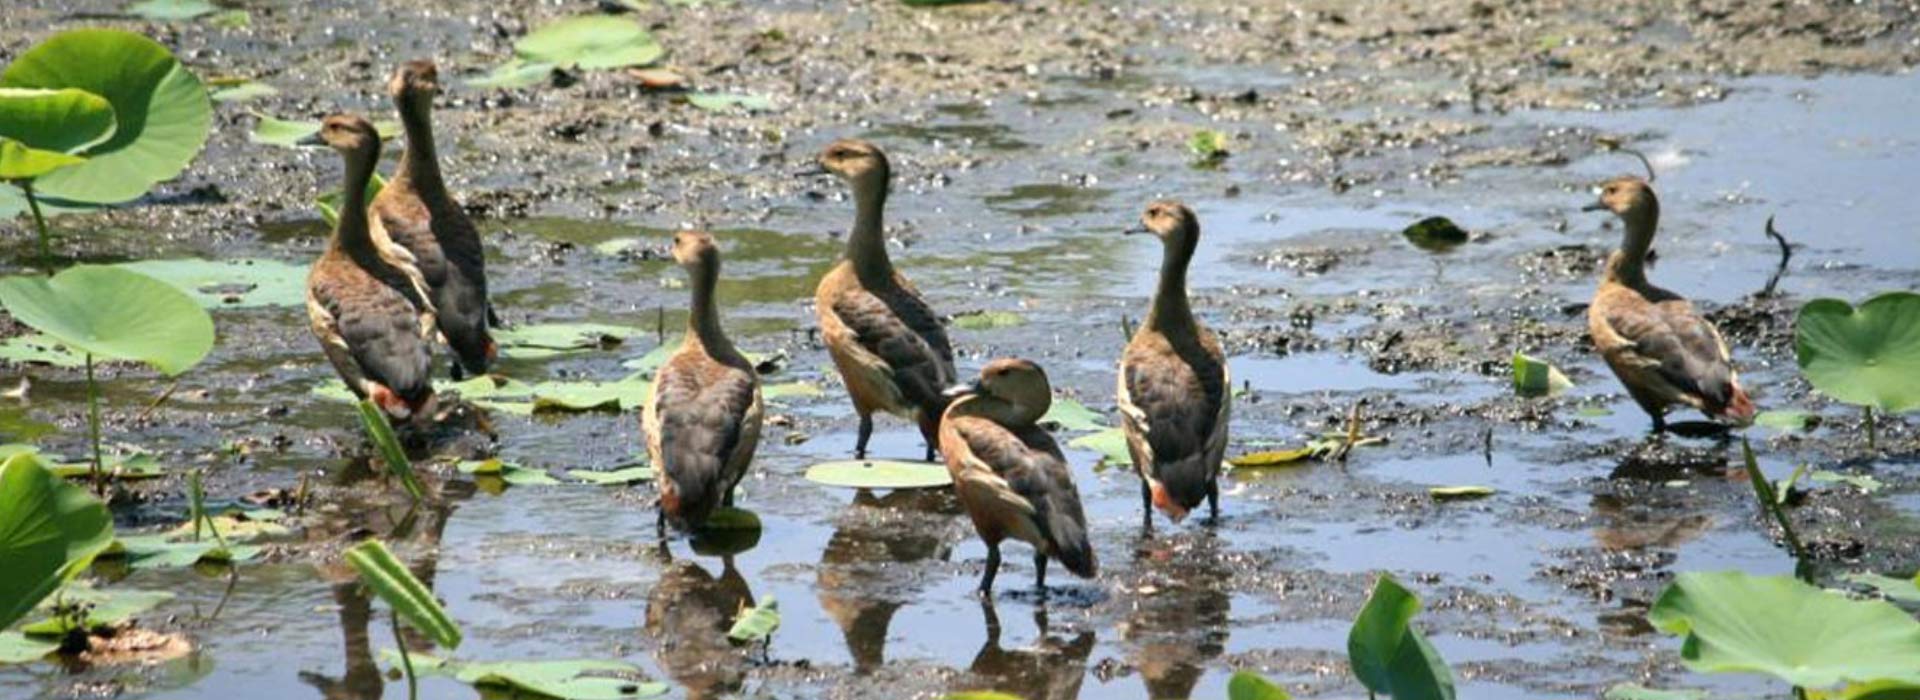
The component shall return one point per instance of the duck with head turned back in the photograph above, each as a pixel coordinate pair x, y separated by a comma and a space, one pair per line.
366, 302
1009, 473
703, 416
1174, 403
890, 348
1661, 349
422, 216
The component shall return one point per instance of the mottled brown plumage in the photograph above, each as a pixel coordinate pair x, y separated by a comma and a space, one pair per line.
366, 302
890, 348
1009, 473
703, 415
1662, 350
1173, 396
422, 216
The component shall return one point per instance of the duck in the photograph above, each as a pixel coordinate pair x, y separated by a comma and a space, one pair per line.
422, 216
367, 303
703, 413
890, 348
1172, 383
1009, 473
1662, 350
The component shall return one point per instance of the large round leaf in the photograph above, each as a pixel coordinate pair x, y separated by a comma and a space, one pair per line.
590, 42
19, 161
49, 532
63, 121
162, 109
879, 474
1733, 622
1868, 356
114, 314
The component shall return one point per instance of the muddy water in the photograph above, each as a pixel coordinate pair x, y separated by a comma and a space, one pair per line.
1536, 592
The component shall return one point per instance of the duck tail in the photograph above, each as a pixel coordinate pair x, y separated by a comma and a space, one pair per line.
1739, 408
1182, 486
1068, 535
689, 496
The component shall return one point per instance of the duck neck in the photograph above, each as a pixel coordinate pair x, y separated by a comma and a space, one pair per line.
703, 323
1640, 223
419, 162
1171, 312
867, 246
351, 234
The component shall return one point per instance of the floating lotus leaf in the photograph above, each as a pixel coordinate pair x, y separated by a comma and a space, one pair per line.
879, 474
1866, 356
114, 314
590, 42
1733, 622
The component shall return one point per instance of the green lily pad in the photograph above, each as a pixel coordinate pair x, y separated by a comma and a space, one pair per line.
616, 477
1733, 622
727, 101
1435, 234
17, 648
1073, 415
756, 623
113, 314
39, 348
1110, 443
1247, 685
411, 599
573, 679
162, 551
1905, 590
508, 472
987, 320
879, 474
172, 10
791, 390
67, 120
287, 133
1459, 493
590, 42
230, 284
1869, 356
1785, 421
646, 364
244, 91
1866, 483
517, 73
133, 467
162, 110
49, 532
1635, 691
1534, 378
543, 340
1390, 656
1272, 458
106, 606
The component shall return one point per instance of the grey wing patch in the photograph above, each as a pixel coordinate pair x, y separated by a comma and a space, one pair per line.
1682, 347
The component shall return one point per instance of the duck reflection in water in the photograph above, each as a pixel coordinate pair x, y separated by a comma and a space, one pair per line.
362, 679
688, 614
1052, 669
1174, 631
866, 572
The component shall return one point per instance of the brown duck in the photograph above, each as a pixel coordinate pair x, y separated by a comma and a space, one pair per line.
420, 215
1173, 397
1009, 473
1659, 347
703, 415
366, 302
890, 348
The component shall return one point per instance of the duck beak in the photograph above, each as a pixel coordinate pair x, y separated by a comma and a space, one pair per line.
312, 139
1136, 229
812, 170
1596, 206
959, 390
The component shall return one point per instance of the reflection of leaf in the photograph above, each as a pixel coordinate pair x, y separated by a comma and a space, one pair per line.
49, 532
1777, 625
408, 597
1866, 356
1388, 655
756, 623
1073, 415
1534, 378
879, 474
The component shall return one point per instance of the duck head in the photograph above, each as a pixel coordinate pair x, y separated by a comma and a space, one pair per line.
415, 83
1628, 197
350, 134
696, 252
1020, 385
859, 163
1168, 220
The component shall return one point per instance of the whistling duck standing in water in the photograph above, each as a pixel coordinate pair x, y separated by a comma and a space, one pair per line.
366, 302
1173, 396
420, 215
703, 415
890, 348
1009, 473
1659, 347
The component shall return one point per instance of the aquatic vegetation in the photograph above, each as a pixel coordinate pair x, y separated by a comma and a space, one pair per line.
49, 532
573, 679
727, 102
590, 42
1436, 234
45, 131
1786, 421
757, 623
1734, 622
110, 313
406, 597
381, 433
1390, 656
1072, 415
879, 474
1534, 378
161, 110
1459, 493
1247, 685
987, 320
1867, 356
328, 203
1209, 148
231, 283
288, 133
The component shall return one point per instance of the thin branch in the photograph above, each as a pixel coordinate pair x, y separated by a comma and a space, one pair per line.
1786, 254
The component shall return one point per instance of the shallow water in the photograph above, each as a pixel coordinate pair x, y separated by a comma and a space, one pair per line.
875, 591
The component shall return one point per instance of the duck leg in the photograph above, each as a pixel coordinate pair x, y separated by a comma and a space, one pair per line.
1146, 508
993, 567
1213, 502
866, 431
1040, 573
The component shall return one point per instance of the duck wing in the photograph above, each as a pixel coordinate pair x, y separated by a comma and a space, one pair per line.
377, 327
897, 329
699, 416
1674, 342
1027, 471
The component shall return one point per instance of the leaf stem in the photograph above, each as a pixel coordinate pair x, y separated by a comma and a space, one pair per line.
39, 225
1770, 502
406, 661
1872, 441
93, 430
